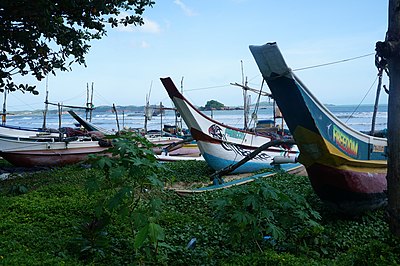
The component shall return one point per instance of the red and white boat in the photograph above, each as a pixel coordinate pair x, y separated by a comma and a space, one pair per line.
46, 151
222, 145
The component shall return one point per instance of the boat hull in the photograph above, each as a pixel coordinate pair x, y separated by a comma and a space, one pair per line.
347, 169
348, 190
50, 158
220, 154
16, 144
33, 152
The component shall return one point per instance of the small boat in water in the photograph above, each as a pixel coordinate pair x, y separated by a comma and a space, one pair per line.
223, 146
347, 168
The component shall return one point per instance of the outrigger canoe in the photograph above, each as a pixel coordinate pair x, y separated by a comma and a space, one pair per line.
221, 145
347, 168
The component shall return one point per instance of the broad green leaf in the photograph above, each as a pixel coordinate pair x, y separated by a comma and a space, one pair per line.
156, 232
141, 237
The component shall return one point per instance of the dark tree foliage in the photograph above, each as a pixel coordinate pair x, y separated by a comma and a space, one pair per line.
41, 36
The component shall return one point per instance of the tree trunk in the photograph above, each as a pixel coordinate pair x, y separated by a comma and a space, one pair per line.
390, 50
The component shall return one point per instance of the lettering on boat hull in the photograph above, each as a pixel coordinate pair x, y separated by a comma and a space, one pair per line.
346, 143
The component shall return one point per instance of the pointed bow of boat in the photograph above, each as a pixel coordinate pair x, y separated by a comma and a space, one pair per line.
269, 59
171, 88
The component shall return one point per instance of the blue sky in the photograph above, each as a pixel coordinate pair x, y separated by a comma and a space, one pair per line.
205, 41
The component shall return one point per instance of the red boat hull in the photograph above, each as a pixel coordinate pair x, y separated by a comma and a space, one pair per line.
50, 158
344, 190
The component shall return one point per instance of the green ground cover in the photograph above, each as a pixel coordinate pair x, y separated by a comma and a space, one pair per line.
48, 218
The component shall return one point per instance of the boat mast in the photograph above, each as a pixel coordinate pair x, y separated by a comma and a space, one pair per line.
245, 100
178, 117
161, 117
381, 65
246, 108
89, 103
147, 110
59, 120
3, 116
116, 116
46, 103
378, 92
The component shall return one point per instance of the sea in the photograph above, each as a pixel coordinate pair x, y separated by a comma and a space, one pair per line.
358, 117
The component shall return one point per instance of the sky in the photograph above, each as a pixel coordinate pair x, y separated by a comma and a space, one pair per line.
205, 44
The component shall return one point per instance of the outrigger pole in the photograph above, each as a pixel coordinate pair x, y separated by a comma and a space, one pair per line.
68, 106
216, 177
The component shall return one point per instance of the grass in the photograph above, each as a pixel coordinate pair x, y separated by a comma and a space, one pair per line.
40, 215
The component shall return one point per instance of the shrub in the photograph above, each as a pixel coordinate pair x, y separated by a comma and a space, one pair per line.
258, 211
129, 175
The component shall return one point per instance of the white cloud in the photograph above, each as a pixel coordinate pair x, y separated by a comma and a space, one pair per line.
188, 11
150, 26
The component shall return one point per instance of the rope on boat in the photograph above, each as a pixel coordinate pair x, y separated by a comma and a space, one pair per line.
362, 100
335, 62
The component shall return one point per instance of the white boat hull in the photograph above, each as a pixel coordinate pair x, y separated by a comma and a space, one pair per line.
222, 145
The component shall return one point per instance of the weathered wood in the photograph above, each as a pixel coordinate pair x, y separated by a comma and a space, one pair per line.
390, 50
378, 92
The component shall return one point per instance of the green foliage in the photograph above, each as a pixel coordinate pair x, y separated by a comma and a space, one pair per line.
383, 254
128, 177
189, 171
258, 210
39, 36
17, 190
213, 104
273, 258
93, 242
36, 226
47, 226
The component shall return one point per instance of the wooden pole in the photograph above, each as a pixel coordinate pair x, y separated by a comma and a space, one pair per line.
87, 101
390, 51
46, 105
59, 121
116, 117
4, 115
91, 104
161, 117
378, 92
145, 120
147, 115
123, 118
179, 124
